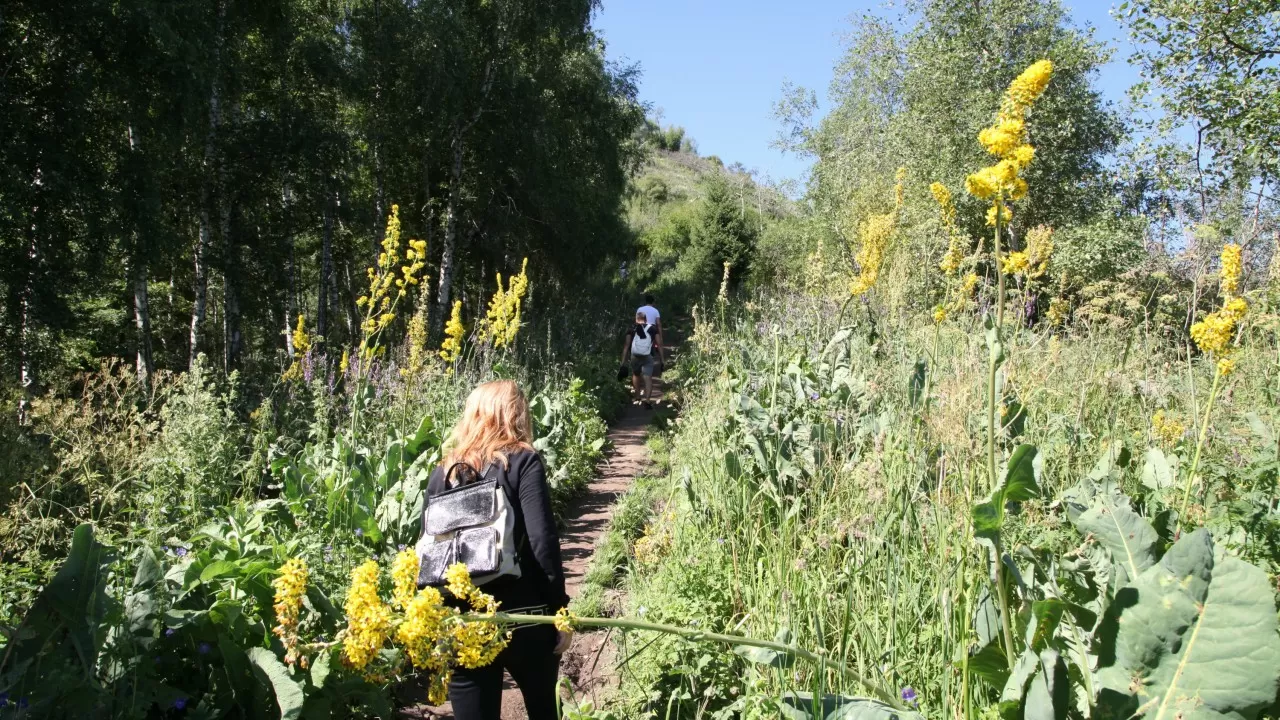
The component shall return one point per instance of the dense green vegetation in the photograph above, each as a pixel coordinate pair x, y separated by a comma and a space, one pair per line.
983, 425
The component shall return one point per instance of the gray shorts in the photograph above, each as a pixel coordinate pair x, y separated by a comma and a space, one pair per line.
642, 365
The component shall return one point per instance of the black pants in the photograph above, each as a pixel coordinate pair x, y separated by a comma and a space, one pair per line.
477, 694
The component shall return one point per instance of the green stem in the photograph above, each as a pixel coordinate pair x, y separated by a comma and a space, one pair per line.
1195, 462
697, 635
995, 363
1005, 620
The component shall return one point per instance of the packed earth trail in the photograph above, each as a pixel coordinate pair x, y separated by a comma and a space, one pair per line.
587, 664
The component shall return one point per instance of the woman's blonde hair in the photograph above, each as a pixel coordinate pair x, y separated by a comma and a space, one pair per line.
494, 422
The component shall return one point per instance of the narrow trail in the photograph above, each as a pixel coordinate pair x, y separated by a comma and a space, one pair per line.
587, 665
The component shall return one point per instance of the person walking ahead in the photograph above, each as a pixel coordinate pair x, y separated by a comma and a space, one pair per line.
650, 310
643, 351
495, 430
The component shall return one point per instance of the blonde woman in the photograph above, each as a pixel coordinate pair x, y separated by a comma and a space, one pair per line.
495, 428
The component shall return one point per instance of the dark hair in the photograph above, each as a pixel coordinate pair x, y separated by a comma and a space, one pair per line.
649, 299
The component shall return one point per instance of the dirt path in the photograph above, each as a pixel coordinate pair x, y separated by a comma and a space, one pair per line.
585, 664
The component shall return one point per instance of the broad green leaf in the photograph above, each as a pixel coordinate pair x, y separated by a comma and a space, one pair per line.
1157, 474
289, 692
320, 668
766, 656
990, 664
986, 618
995, 345
915, 389
1022, 474
1015, 688
1198, 631
802, 706
1045, 617
988, 518
1130, 539
217, 569
1049, 694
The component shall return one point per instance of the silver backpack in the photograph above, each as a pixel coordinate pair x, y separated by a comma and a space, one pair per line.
472, 523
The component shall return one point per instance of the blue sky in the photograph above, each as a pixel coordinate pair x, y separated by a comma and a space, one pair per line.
717, 66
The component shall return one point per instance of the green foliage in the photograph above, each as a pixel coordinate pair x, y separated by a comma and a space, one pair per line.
1211, 66
863, 464
1097, 251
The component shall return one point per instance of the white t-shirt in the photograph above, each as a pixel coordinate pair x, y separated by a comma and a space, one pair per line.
650, 313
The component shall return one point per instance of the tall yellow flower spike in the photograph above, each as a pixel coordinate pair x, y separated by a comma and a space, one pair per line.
502, 321
875, 233
368, 618
389, 281
290, 587
1214, 333
454, 332
1006, 139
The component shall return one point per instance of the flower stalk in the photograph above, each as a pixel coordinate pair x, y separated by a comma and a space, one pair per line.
696, 635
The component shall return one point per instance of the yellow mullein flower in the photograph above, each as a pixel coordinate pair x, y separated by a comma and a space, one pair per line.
1039, 250
1231, 266
1014, 263
939, 314
982, 184
1226, 365
1003, 138
416, 340
344, 363
1057, 311
1006, 140
290, 587
301, 340
404, 577
970, 282
564, 620
424, 617
723, 296
1167, 429
1023, 155
502, 320
454, 331
368, 619
1213, 334
874, 234
458, 581
1030, 85
1006, 215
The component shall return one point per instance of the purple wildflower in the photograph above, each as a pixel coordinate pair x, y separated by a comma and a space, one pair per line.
359, 532
909, 695
204, 648
180, 704
400, 547
814, 395
168, 632
180, 551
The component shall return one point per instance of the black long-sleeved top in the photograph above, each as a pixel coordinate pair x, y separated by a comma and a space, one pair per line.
541, 580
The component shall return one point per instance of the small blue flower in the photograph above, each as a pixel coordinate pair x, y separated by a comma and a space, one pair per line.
204, 648
814, 395
909, 695
180, 704
359, 532
400, 547
168, 632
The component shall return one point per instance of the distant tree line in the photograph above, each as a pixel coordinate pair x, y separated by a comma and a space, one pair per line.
189, 176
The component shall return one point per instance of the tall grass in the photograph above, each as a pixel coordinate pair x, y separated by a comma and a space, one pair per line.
823, 475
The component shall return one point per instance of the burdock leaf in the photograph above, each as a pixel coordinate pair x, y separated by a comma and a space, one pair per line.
1199, 630
1129, 538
